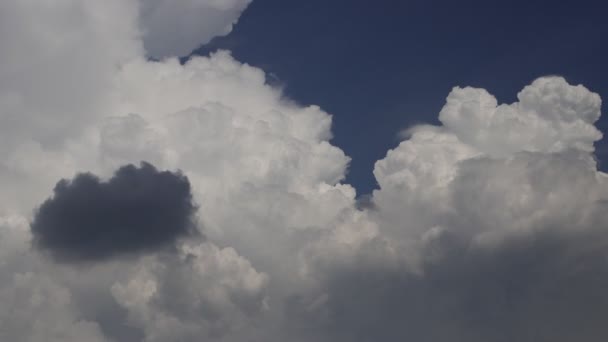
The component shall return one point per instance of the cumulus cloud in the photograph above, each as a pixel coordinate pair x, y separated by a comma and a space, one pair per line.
137, 209
59, 60
520, 255
38, 309
551, 116
483, 243
203, 292
258, 165
546, 287
488, 227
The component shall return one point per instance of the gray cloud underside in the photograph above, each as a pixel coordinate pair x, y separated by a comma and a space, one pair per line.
137, 209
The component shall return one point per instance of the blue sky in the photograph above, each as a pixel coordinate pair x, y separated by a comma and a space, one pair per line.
381, 66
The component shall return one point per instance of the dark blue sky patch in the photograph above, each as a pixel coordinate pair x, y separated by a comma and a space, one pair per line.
139, 209
381, 66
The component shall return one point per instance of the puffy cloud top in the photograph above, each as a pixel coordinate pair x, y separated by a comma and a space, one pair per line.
551, 116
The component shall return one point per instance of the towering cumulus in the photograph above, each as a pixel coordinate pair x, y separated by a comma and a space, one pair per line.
194, 202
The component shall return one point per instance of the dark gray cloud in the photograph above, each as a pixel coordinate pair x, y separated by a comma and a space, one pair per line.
138, 209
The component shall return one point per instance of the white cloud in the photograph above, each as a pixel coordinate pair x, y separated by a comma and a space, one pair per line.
261, 166
551, 116
37, 309
205, 292
417, 179
481, 231
288, 255
58, 63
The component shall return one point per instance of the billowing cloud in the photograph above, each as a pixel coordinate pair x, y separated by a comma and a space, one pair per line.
489, 227
521, 255
38, 309
476, 243
551, 116
205, 291
545, 287
137, 209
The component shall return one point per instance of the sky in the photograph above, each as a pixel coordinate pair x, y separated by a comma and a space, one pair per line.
380, 68
303, 171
